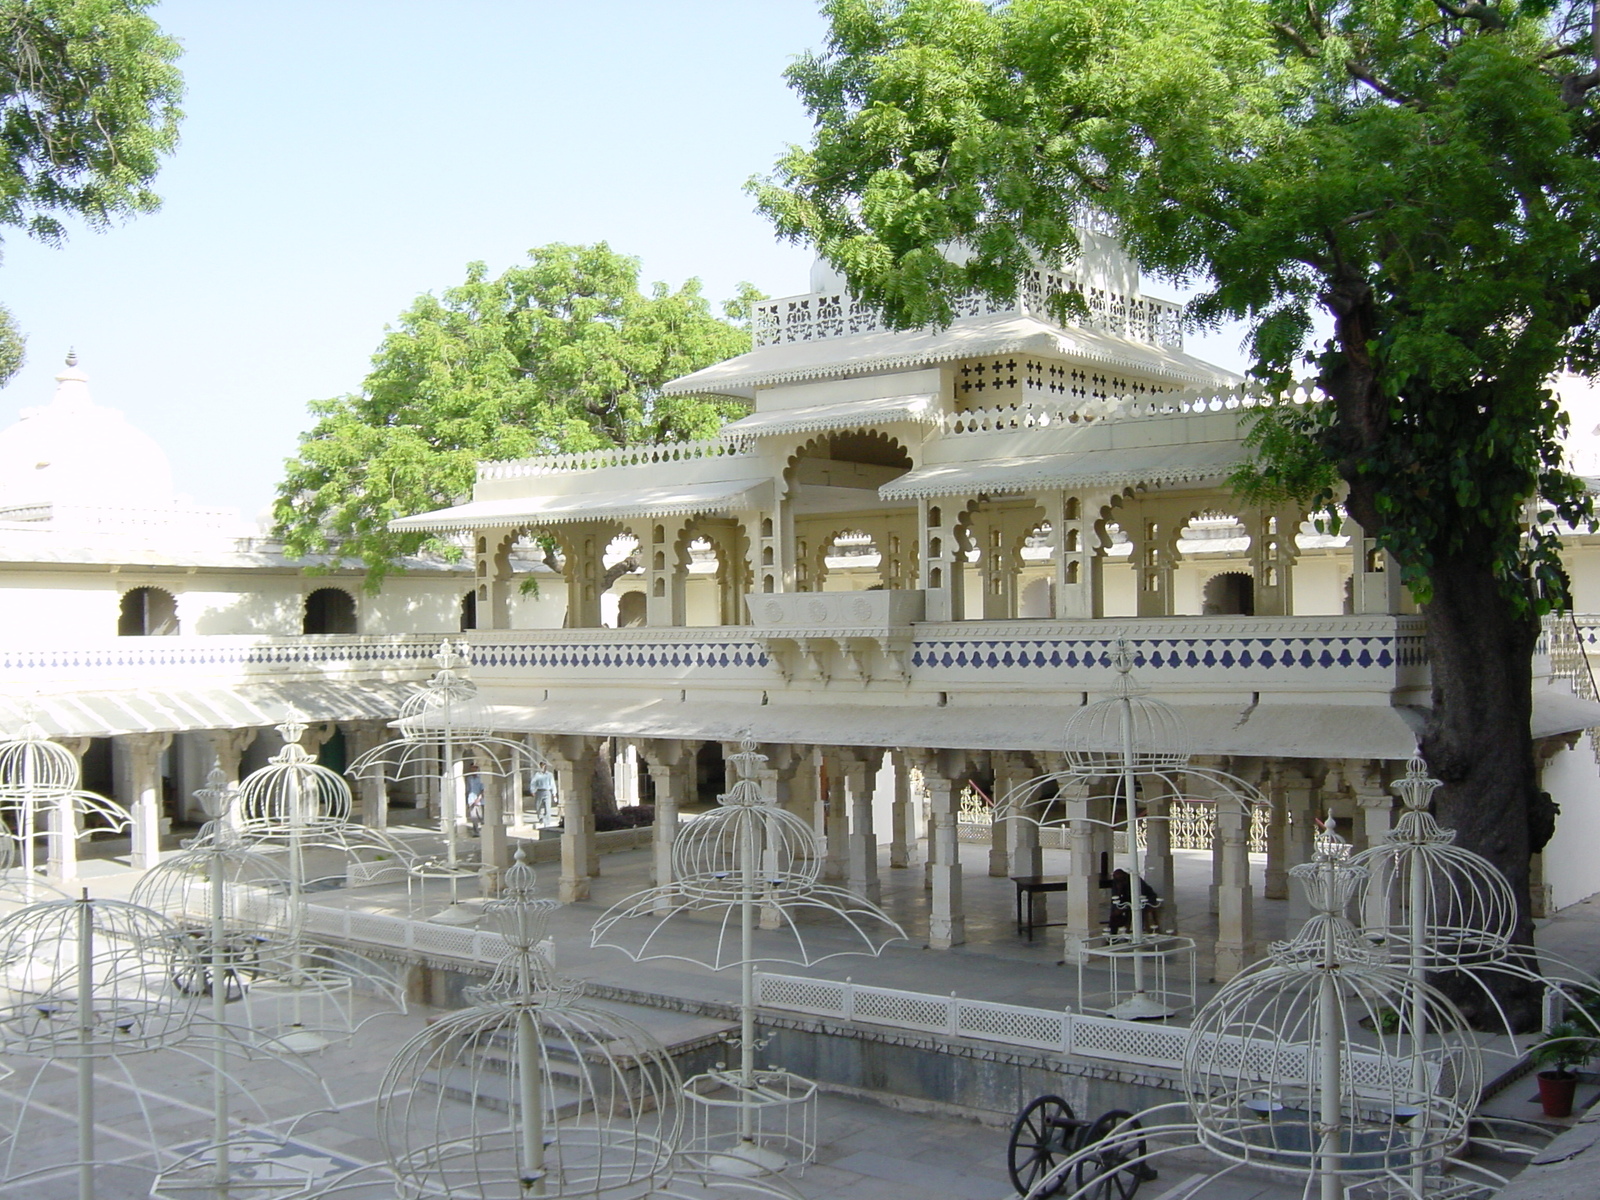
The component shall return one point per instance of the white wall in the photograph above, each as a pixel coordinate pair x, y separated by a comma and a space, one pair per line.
545, 610
412, 604
1572, 859
52, 607
1319, 585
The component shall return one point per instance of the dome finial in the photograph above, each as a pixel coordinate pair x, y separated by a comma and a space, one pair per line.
72, 356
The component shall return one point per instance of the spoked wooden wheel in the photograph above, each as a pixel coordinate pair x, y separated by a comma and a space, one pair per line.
1109, 1173
1041, 1137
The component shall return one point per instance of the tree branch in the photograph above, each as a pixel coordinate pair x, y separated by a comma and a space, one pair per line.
1363, 73
1575, 88
1485, 15
1300, 43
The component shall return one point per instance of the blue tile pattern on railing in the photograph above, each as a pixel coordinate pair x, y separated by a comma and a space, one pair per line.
149, 652
699, 655
1245, 653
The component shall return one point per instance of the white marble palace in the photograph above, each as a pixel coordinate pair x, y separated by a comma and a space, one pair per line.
919, 550
155, 637
902, 572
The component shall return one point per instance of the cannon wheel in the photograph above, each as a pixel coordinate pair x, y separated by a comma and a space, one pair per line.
1107, 1174
1042, 1134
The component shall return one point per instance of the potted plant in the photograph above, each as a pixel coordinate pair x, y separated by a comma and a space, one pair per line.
1564, 1047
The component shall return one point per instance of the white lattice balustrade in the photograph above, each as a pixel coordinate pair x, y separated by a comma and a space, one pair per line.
1127, 1041
1009, 1023
907, 1010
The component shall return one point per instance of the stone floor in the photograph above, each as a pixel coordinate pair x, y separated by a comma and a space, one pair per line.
870, 1151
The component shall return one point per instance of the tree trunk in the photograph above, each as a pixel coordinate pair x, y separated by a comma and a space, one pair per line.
1478, 739
1479, 742
605, 787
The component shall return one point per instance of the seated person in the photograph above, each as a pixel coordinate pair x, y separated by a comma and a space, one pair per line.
1120, 884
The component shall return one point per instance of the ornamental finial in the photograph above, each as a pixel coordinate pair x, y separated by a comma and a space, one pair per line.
293, 727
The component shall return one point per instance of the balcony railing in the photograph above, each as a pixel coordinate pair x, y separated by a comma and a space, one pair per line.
808, 640
154, 662
1324, 655
817, 315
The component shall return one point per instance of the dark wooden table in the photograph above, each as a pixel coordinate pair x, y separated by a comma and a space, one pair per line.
1030, 886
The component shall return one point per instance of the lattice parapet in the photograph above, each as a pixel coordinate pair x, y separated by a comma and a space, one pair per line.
815, 316
616, 456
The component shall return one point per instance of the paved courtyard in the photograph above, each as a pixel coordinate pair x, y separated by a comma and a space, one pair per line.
869, 1150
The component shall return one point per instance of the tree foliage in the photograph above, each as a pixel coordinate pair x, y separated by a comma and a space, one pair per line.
13, 346
88, 108
1424, 171
562, 353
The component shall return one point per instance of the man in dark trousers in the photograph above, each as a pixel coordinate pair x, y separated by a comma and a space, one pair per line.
1120, 883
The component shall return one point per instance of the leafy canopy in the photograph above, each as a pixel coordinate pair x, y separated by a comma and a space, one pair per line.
562, 353
1425, 171
88, 107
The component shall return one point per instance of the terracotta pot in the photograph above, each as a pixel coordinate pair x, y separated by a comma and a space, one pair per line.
1556, 1092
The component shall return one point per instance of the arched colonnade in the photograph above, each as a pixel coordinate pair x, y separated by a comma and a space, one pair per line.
1041, 552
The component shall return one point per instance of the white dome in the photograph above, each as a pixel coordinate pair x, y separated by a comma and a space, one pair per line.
74, 452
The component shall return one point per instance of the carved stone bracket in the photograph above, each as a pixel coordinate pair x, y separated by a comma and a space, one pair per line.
857, 637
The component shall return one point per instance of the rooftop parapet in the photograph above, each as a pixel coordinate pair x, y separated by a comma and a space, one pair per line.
615, 456
814, 316
1075, 411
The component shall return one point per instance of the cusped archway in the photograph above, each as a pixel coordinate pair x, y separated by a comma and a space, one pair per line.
148, 612
329, 610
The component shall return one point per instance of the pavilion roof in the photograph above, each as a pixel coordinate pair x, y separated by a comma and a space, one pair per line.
1209, 462
920, 409
88, 712
1287, 730
970, 337
594, 502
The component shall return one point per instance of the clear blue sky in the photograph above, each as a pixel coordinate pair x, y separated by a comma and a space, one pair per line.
338, 158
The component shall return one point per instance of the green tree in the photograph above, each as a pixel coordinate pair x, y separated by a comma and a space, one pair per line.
1423, 171
88, 108
13, 345
561, 353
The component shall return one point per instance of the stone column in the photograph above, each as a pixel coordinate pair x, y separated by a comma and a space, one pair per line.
1277, 877
228, 747
64, 826
1375, 585
1375, 811
1083, 873
144, 752
1216, 858
494, 848
860, 771
573, 761
1235, 915
944, 771
943, 560
664, 574
1272, 556
1158, 869
583, 546
372, 788
1155, 536
1024, 857
902, 819
1302, 796
996, 569
836, 817
666, 760
493, 578
999, 848
625, 775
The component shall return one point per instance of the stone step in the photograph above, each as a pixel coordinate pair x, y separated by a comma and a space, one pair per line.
492, 1090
